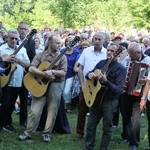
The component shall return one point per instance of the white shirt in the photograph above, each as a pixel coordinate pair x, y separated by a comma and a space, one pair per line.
88, 59
127, 60
17, 75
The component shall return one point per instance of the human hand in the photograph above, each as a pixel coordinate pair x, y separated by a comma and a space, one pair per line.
143, 80
92, 75
102, 77
142, 104
49, 75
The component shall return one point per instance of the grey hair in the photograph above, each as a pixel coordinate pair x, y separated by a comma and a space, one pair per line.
135, 47
100, 33
13, 31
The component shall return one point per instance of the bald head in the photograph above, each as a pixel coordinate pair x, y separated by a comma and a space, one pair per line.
134, 46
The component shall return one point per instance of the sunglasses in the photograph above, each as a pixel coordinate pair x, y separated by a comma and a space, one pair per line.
13, 38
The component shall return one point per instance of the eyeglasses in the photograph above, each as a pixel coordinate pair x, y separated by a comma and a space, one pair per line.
23, 29
13, 38
111, 50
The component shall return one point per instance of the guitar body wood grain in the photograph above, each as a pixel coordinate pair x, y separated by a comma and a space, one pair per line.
36, 85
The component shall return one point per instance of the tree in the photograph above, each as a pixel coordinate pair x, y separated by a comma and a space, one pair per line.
140, 10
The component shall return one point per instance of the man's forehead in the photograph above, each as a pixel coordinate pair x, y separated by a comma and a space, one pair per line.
114, 47
13, 35
98, 36
56, 39
24, 26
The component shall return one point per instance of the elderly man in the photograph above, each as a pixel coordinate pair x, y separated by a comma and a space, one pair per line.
88, 59
131, 102
20, 61
106, 102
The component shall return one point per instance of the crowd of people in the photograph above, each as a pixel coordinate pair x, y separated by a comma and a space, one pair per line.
49, 58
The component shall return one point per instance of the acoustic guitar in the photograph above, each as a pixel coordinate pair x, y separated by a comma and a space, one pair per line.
10, 67
93, 86
38, 85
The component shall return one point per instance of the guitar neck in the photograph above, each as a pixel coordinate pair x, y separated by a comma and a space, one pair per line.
55, 61
75, 40
20, 46
104, 69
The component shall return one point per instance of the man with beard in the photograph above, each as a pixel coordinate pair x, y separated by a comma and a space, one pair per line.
53, 93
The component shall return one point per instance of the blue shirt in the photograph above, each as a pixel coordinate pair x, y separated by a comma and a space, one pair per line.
71, 60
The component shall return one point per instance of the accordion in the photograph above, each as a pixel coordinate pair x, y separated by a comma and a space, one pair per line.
136, 71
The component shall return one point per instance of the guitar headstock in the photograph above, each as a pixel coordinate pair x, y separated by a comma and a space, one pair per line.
118, 52
74, 41
31, 33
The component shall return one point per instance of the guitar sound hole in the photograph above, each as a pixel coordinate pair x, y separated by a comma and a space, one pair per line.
90, 90
38, 80
95, 81
45, 81
89, 102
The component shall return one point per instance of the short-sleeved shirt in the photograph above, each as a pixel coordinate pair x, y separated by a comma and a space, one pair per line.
17, 76
61, 64
71, 60
88, 59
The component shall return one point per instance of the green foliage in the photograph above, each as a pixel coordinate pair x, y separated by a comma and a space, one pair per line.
140, 11
112, 14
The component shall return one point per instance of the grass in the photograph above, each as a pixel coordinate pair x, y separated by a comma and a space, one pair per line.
65, 141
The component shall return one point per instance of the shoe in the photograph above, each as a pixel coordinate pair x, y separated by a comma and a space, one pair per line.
122, 141
24, 124
113, 128
69, 111
46, 137
142, 114
9, 128
24, 137
133, 147
79, 136
88, 114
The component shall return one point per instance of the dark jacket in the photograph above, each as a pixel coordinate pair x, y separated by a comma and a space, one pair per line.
116, 75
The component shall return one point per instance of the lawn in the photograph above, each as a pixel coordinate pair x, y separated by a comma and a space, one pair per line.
64, 141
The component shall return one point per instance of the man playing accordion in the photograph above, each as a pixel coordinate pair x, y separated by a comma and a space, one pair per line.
131, 97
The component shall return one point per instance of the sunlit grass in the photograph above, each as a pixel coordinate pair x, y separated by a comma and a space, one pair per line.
65, 141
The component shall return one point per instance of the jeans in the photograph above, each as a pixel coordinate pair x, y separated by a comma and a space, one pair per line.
67, 90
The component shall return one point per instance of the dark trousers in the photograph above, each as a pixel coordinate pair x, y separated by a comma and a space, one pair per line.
23, 95
10, 95
148, 118
105, 110
116, 114
131, 119
83, 109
